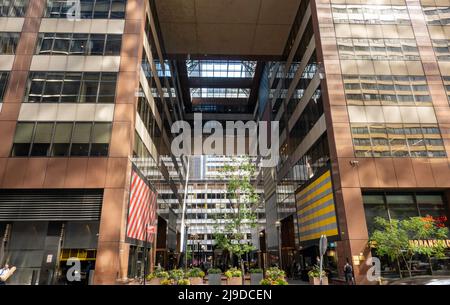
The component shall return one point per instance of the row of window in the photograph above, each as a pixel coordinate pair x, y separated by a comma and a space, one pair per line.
8, 42
401, 206
437, 15
3, 83
114, 9
61, 139
446, 80
13, 8
101, 9
397, 140
442, 49
386, 90
371, 14
71, 87
146, 114
78, 44
378, 49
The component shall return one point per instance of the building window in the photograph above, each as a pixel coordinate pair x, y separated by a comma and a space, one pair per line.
3, 83
378, 49
78, 44
13, 8
446, 80
394, 205
397, 140
71, 87
386, 90
90, 9
437, 15
50, 139
8, 42
442, 49
370, 14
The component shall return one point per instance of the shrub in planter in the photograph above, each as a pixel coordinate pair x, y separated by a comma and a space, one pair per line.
157, 276
195, 276
314, 276
214, 276
176, 274
167, 282
234, 276
274, 276
256, 275
183, 282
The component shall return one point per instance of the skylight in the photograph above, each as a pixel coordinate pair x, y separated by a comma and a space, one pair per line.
219, 93
221, 68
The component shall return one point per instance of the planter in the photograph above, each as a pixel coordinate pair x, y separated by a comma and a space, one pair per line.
234, 281
196, 280
155, 281
316, 280
255, 278
215, 279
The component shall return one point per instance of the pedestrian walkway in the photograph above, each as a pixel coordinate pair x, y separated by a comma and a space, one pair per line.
297, 282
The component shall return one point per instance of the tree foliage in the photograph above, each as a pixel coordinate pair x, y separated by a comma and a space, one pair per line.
394, 237
243, 199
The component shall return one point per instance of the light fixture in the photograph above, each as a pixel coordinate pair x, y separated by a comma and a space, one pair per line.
362, 257
354, 163
277, 223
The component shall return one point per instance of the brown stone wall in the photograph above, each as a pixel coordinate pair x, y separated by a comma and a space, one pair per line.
372, 173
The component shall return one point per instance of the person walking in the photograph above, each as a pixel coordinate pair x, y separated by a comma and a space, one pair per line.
348, 273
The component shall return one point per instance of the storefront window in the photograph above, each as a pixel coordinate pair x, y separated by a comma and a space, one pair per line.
401, 206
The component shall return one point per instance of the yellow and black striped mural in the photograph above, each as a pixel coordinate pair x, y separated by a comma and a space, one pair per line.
316, 213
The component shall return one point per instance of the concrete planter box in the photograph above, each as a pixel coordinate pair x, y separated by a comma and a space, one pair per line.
316, 280
234, 281
196, 280
255, 278
215, 279
155, 281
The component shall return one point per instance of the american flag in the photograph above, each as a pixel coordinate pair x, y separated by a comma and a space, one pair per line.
141, 210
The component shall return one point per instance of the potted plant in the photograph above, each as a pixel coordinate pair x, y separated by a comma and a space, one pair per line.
195, 276
157, 276
274, 276
256, 275
214, 276
314, 276
176, 274
183, 282
234, 276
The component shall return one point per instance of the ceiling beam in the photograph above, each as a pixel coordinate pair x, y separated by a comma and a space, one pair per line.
255, 86
219, 82
248, 57
184, 84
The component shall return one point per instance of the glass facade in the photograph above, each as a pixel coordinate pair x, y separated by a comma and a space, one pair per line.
386, 90
13, 8
397, 140
402, 205
78, 44
8, 42
71, 87
61, 139
96, 9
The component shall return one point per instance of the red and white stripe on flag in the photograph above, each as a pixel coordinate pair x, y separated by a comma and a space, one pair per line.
141, 210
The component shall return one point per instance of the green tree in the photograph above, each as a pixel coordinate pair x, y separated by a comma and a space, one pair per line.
243, 198
394, 238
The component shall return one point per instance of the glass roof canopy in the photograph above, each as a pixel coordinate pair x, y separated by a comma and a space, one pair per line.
220, 86
221, 68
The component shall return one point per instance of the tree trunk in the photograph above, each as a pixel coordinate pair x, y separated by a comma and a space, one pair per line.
399, 268
242, 270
